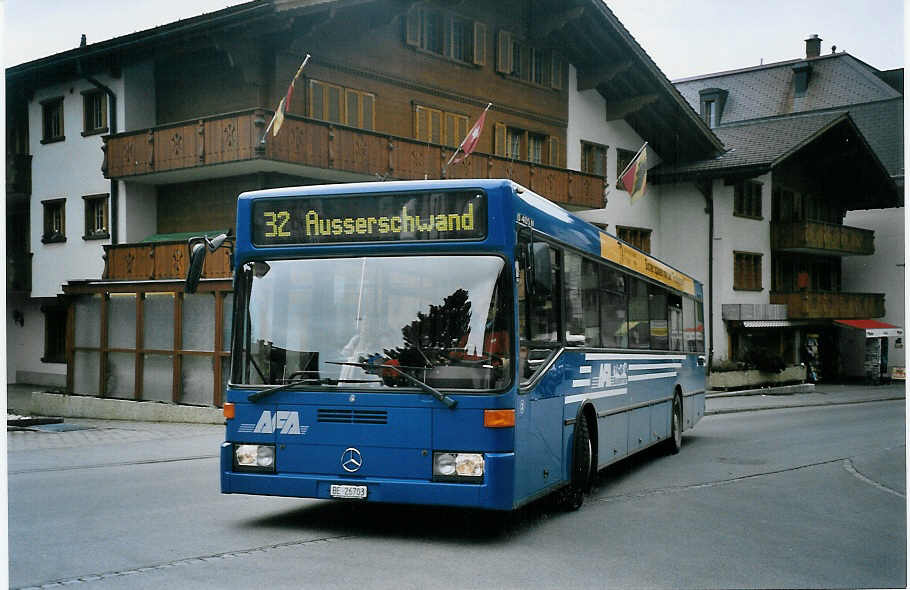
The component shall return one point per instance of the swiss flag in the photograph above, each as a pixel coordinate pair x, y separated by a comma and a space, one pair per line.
470, 141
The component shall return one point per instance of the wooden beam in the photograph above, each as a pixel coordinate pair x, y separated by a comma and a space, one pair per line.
623, 108
590, 78
543, 27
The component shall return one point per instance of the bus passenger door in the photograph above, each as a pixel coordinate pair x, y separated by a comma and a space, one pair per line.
539, 407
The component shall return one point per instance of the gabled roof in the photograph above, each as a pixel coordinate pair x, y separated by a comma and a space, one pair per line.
759, 145
835, 81
828, 145
60, 64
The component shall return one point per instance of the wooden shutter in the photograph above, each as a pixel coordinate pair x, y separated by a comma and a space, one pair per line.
499, 139
420, 123
504, 53
369, 111
554, 151
412, 27
316, 100
480, 44
435, 126
352, 108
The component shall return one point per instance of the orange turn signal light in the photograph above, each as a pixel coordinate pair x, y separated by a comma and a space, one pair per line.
228, 410
498, 418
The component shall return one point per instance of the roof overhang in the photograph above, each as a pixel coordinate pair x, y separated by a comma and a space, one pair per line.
827, 147
872, 328
609, 60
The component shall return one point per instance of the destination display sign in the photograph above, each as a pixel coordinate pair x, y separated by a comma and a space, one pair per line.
625, 255
397, 217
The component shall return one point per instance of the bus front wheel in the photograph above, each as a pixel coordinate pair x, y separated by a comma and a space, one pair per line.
582, 465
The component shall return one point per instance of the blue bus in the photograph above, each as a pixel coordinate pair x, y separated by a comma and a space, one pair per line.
448, 342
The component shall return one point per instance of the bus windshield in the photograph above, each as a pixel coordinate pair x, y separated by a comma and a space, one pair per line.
361, 322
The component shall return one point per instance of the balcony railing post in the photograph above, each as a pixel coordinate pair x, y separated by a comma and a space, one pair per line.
258, 128
200, 142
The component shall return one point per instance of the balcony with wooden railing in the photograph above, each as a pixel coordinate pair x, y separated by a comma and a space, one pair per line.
816, 237
323, 150
827, 305
160, 261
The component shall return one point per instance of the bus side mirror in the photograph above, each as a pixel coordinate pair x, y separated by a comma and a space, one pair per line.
197, 247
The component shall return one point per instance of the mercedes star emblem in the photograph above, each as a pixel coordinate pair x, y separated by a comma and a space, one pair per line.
351, 460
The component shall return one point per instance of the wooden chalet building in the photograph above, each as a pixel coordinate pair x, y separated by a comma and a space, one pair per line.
172, 120
806, 141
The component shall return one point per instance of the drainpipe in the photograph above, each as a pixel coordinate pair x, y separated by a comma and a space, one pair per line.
112, 129
707, 189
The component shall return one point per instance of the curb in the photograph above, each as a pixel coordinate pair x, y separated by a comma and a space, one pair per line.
778, 390
800, 405
77, 406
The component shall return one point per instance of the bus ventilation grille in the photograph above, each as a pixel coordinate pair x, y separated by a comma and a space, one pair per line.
352, 416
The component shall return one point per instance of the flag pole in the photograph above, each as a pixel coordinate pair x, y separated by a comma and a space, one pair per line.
489, 104
294, 79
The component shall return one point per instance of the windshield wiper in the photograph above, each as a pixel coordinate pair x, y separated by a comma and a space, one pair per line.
448, 401
258, 395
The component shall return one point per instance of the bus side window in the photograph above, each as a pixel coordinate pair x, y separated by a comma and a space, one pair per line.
639, 325
538, 304
675, 313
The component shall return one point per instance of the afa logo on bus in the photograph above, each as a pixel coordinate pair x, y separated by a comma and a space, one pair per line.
284, 422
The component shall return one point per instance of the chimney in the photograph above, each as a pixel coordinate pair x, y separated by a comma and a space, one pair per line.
813, 46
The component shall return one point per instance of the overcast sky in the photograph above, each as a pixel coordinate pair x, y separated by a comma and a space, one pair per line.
684, 37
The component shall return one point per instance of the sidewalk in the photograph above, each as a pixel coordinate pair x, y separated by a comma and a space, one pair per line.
28, 400
774, 398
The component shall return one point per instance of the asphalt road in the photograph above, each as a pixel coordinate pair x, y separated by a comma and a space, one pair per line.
805, 497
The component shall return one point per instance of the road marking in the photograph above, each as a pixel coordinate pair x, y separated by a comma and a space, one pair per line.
851, 469
184, 561
711, 484
103, 465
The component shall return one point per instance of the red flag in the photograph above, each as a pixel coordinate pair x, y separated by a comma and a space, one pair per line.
635, 177
285, 103
470, 141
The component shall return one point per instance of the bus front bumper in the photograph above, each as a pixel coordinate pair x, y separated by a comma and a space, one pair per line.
495, 493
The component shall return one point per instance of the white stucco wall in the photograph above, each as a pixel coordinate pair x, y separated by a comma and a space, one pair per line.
884, 271
675, 214
66, 169
139, 218
25, 346
738, 234
588, 122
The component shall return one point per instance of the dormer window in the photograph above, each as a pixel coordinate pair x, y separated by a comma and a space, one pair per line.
712, 105
710, 117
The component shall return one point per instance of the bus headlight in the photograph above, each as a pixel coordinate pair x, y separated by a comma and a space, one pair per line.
466, 467
254, 458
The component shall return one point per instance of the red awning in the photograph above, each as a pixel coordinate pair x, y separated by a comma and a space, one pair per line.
873, 328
